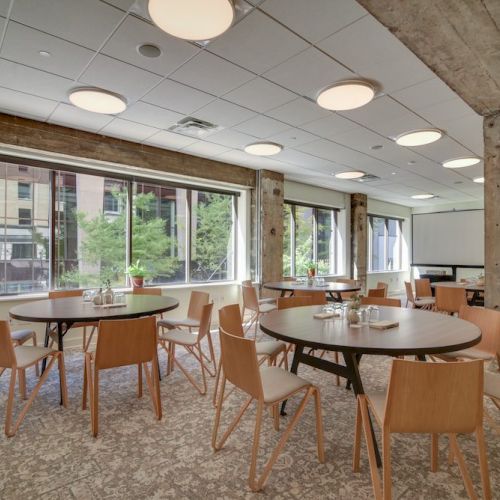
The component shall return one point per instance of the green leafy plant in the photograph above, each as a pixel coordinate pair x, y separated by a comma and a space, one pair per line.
355, 302
136, 270
311, 265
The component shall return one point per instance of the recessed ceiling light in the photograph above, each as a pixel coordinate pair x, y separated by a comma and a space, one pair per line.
393, 173
44, 53
479, 180
349, 94
98, 100
461, 162
419, 137
412, 162
192, 19
350, 175
426, 196
149, 50
263, 148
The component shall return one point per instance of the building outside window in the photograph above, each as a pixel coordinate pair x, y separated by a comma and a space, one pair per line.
24, 216
385, 244
24, 191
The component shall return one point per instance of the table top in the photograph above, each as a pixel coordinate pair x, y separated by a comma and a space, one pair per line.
419, 332
74, 310
473, 287
329, 286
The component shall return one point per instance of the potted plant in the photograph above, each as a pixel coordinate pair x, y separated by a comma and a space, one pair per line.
136, 273
311, 270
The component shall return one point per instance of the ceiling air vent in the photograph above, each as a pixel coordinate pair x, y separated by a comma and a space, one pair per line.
368, 178
194, 127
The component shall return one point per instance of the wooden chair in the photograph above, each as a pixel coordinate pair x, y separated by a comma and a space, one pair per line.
268, 386
426, 303
20, 337
251, 302
317, 298
18, 358
195, 310
61, 294
262, 300
380, 301
376, 292
293, 301
426, 398
346, 295
122, 343
492, 391
384, 286
423, 288
450, 300
192, 343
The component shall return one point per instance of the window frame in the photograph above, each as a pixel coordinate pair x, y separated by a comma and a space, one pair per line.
30, 190
399, 236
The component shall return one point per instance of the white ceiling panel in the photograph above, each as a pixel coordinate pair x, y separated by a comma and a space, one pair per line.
206, 149
135, 32
298, 112
231, 139
262, 126
314, 19
393, 128
330, 126
4, 7
114, 75
153, 116
223, 113
169, 140
177, 97
121, 4
211, 74
257, 43
468, 131
442, 150
293, 137
424, 94
305, 160
123, 129
443, 112
70, 116
260, 95
23, 45
28, 106
87, 23
308, 72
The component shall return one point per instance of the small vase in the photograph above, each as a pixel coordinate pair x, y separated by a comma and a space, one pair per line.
97, 300
108, 296
311, 273
137, 281
353, 317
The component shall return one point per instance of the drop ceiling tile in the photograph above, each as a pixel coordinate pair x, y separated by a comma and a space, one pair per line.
114, 75
444, 112
260, 95
424, 94
177, 97
298, 112
123, 129
4, 7
32, 81
121, 4
211, 74
169, 140
70, 116
308, 72
153, 116
293, 137
334, 152
305, 160
261, 126
87, 23
29, 106
231, 138
468, 131
135, 32
223, 113
442, 150
205, 149
393, 128
22, 44
314, 19
330, 126
257, 43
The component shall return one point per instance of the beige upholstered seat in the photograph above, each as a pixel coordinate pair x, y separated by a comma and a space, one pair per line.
262, 300
179, 323
277, 384
419, 303
469, 353
22, 336
269, 348
251, 302
428, 301
196, 303
179, 337
492, 384
26, 355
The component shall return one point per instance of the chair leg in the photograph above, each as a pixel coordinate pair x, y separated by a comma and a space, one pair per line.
153, 389
203, 390
462, 466
139, 380
434, 452
276, 417
255, 448
85, 383
86, 344
483, 463
357, 439
336, 359
212, 353
84, 339
386, 459
22, 383
217, 381
10, 403
156, 386
319, 426
37, 367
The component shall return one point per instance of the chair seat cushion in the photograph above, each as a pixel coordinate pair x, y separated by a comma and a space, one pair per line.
377, 404
178, 323
180, 337
26, 355
470, 353
22, 335
265, 308
492, 383
278, 384
425, 301
267, 300
269, 347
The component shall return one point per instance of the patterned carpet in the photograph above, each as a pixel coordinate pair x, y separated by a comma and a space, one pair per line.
53, 455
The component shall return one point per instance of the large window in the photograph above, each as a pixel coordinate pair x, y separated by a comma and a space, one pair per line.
385, 248
101, 224
309, 237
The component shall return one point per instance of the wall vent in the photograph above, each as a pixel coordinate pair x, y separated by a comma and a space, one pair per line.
194, 127
368, 178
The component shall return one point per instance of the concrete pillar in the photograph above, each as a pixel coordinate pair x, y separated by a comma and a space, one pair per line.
492, 211
359, 238
270, 187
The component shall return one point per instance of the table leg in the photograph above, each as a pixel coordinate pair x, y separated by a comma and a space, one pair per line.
299, 349
358, 360
283, 292
45, 344
60, 346
421, 357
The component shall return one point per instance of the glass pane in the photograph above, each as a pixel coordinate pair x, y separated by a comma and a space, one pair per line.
159, 232
287, 240
91, 241
24, 229
378, 243
325, 241
212, 236
393, 245
304, 230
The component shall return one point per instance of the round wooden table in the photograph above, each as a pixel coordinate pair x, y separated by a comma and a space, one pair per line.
333, 289
469, 287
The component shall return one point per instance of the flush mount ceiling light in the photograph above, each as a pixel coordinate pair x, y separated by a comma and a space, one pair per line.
349, 94
350, 175
461, 162
98, 100
195, 20
419, 137
479, 180
426, 196
263, 148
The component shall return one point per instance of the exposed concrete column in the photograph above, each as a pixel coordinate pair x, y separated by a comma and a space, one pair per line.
359, 237
492, 210
270, 204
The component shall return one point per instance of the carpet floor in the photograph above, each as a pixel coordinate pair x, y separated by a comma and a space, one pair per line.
53, 456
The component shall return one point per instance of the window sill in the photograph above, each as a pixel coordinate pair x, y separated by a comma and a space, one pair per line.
388, 272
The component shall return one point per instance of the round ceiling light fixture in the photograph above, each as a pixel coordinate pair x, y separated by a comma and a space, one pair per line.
263, 148
350, 175
425, 196
479, 180
349, 94
98, 100
419, 137
195, 20
461, 162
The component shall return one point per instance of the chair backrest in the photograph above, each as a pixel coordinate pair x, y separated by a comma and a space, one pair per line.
488, 321
146, 291
126, 342
294, 301
230, 320
63, 294
434, 397
196, 303
380, 301
206, 317
239, 362
384, 286
317, 298
246, 283
376, 292
409, 292
423, 288
450, 299
7, 355
250, 299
